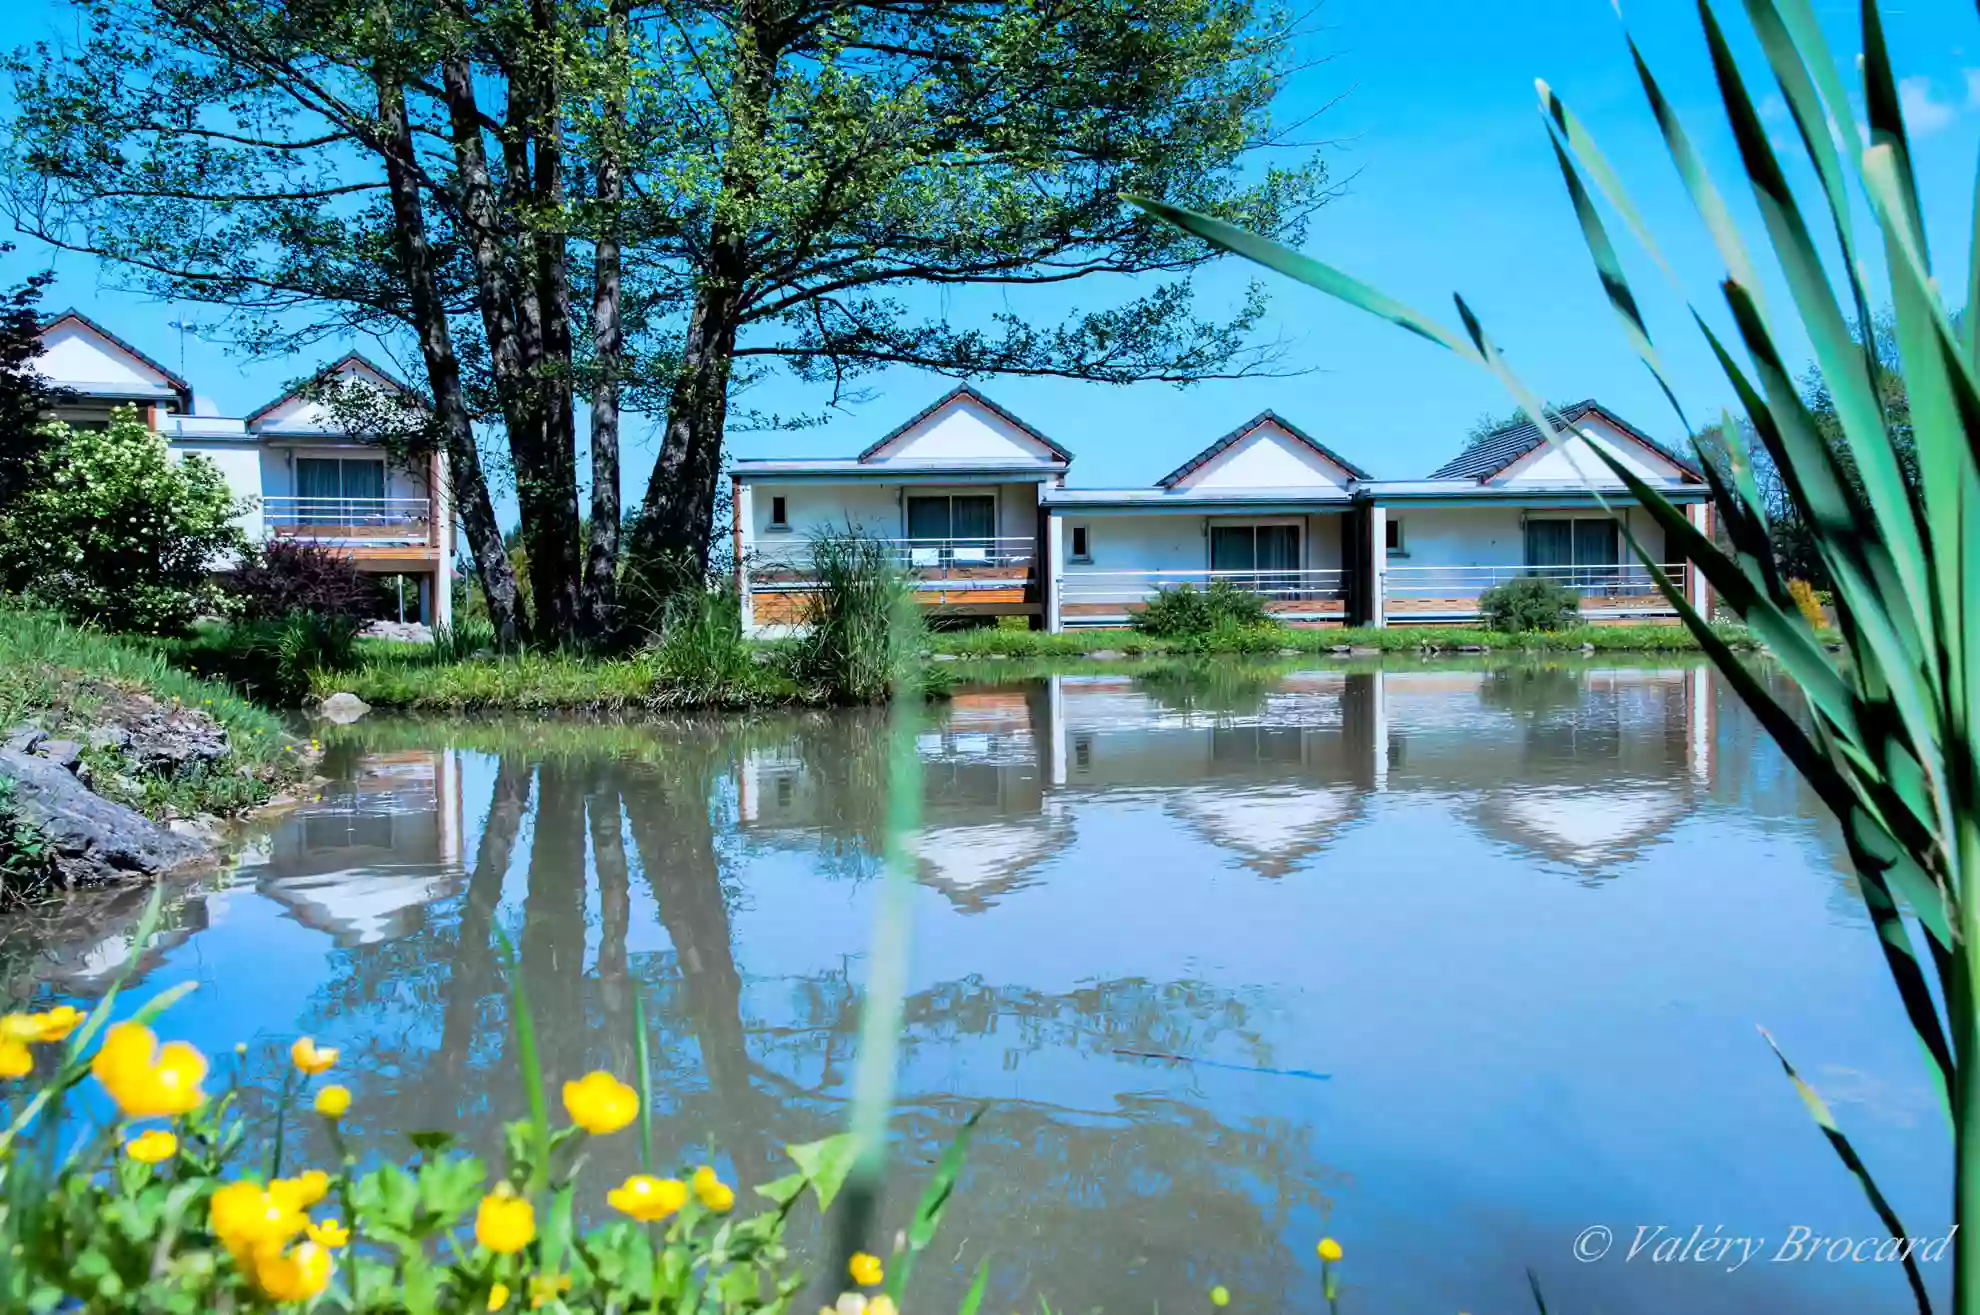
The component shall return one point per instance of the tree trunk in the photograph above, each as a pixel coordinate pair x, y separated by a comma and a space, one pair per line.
468, 485
601, 568
677, 515
474, 972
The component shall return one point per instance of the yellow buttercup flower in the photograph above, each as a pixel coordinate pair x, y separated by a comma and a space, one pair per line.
15, 1061
152, 1146
1220, 1295
56, 1024
600, 1103
333, 1101
647, 1198
302, 1191
498, 1296
18, 1027
547, 1287
505, 1223
712, 1192
147, 1080
865, 1269
248, 1219
312, 1058
1329, 1250
294, 1275
328, 1233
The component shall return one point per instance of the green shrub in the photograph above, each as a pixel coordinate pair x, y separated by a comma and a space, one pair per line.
862, 632
1529, 603
466, 638
274, 660
113, 530
701, 658
1187, 610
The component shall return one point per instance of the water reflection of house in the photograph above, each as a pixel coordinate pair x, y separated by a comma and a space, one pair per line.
986, 824
1270, 772
364, 860
1586, 768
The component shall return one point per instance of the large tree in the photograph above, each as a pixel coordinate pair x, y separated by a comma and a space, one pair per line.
26, 396
542, 200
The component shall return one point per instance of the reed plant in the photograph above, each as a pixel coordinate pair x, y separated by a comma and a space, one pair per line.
860, 633
1886, 734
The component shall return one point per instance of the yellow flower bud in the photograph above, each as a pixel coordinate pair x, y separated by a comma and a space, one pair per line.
312, 1058
498, 1296
865, 1269
1329, 1250
505, 1223
333, 1101
152, 1146
328, 1233
600, 1103
647, 1198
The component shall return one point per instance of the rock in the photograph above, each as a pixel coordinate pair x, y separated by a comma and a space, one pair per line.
1473, 648
1106, 655
1290, 652
1360, 650
65, 754
402, 632
113, 739
944, 657
343, 708
203, 829
1588, 648
94, 841
166, 740
1340, 649
23, 739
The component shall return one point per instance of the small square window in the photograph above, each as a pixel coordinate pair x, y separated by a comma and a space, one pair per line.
1081, 548
780, 514
1397, 544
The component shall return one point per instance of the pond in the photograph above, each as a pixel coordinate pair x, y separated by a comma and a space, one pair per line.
1450, 962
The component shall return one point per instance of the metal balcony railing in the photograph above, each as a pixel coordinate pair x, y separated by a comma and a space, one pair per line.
934, 559
1080, 586
1623, 587
394, 520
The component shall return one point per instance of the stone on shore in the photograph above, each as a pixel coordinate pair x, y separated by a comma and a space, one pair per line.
92, 840
342, 707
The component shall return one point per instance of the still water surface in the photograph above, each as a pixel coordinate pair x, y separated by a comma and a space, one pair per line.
1449, 963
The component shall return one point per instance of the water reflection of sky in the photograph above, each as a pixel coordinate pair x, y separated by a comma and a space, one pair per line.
1460, 961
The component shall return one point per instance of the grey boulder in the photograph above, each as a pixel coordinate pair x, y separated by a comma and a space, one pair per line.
94, 841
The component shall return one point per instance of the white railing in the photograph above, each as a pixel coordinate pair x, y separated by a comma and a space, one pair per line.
1627, 587
935, 558
395, 519
1081, 587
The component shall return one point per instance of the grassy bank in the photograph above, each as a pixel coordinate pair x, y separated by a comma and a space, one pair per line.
997, 642
412, 677
69, 681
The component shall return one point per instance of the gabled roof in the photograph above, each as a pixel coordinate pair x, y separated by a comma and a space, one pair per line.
335, 367
958, 393
1237, 435
1492, 453
180, 386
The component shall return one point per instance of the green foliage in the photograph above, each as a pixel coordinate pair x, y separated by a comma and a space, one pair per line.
27, 866
1529, 603
701, 659
862, 631
275, 660
1884, 736
468, 637
111, 529
25, 393
1186, 611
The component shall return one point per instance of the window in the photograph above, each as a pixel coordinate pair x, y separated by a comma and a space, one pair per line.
1081, 549
951, 528
1578, 552
1398, 546
340, 490
780, 514
1264, 558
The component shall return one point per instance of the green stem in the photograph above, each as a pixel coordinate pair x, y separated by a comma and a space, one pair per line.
281, 1122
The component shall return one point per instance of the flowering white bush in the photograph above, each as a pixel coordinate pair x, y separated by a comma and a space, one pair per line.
112, 529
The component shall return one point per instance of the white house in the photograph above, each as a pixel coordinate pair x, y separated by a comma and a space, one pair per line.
297, 471
974, 502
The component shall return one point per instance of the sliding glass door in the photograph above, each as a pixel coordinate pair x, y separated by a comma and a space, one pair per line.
951, 527
1261, 558
1583, 552
339, 491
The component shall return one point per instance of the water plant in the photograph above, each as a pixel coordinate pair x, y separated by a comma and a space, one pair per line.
861, 631
1887, 737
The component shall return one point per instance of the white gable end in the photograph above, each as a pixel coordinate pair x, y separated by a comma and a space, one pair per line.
315, 415
77, 357
1551, 464
1266, 458
961, 433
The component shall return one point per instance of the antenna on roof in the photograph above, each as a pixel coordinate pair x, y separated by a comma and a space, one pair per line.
182, 326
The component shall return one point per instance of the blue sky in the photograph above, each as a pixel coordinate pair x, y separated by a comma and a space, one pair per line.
1450, 185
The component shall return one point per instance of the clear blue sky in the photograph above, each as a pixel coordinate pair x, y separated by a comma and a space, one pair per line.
1450, 185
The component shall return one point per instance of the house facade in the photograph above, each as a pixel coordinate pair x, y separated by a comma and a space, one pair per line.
974, 503
297, 471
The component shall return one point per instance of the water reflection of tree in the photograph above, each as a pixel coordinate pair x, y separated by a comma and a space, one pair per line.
1148, 1188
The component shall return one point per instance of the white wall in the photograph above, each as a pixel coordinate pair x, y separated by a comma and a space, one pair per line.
71, 354
1459, 536
1266, 458
297, 415
875, 508
240, 465
1549, 464
1170, 542
964, 431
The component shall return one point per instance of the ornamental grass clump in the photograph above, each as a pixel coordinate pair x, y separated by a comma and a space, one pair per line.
1887, 735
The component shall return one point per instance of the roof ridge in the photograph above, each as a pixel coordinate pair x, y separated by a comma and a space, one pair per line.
969, 391
1208, 454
